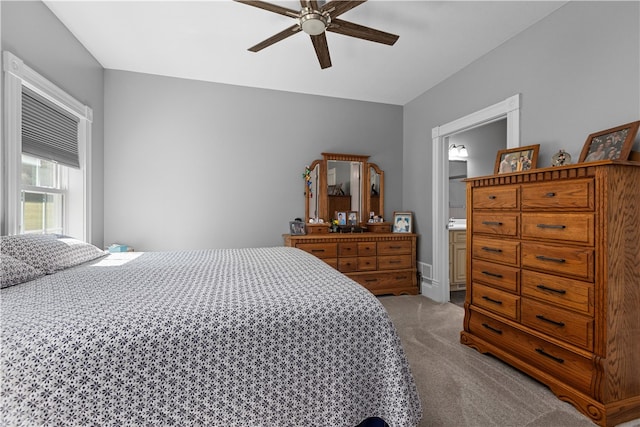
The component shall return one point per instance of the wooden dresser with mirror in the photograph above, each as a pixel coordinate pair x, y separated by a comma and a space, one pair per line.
381, 261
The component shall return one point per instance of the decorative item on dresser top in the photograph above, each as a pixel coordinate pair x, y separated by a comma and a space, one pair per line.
553, 282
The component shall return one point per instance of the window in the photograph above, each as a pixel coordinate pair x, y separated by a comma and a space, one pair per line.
43, 194
47, 180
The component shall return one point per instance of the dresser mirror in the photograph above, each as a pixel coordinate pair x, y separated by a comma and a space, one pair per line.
343, 183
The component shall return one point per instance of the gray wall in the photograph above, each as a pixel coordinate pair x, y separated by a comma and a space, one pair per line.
190, 164
577, 71
33, 33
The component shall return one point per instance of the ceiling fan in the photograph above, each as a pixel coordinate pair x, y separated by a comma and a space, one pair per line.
314, 20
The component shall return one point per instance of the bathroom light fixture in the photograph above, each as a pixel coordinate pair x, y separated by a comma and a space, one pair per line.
458, 151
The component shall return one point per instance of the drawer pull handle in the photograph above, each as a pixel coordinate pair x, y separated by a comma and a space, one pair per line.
553, 322
401, 277
545, 288
495, 301
492, 197
395, 247
492, 329
488, 249
317, 250
491, 223
546, 258
550, 194
552, 226
370, 280
544, 353
488, 273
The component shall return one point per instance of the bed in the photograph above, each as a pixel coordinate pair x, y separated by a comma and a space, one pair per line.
221, 337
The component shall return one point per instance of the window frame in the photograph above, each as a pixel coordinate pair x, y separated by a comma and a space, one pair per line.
16, 75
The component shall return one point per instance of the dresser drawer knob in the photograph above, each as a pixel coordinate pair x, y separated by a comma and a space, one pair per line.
546, 288
495, 301
492, 329
553, 322
492, 197
488, 249
546, 258
488, 273
544, 353
557, 226
550, 195
491, 223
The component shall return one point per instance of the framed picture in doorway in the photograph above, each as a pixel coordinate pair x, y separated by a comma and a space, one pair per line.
610, 144
517, 159
402, 222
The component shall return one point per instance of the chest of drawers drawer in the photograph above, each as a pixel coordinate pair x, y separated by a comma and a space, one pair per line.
366, 248
501, 224
496, 275
562, 324
506, 197
578, 195
394, 262
320, 250
571, 367
504, 251
566, 227
394, 247
346, 249
563, 292
564, 260
381, 281
503, 303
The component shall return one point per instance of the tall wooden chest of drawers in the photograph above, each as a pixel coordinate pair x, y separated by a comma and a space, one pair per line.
553, 288
384, 263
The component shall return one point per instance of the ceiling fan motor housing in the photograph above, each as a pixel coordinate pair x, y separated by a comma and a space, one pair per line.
313, 22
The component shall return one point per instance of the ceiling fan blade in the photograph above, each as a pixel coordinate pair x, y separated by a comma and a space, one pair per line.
276, 38
271, 8
338, 7
360, 31
322, 50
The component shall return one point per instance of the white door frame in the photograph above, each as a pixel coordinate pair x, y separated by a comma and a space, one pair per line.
438, 289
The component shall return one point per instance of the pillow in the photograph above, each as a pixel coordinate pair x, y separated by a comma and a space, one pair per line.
49, 252
14, 271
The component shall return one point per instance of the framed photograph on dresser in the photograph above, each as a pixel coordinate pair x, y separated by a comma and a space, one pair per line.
610, 144
403, 222
517, 159
352, 218
297, 228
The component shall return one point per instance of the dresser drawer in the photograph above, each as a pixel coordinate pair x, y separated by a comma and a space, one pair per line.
505, 251
347, 249
504, 197
367, 263
563, 292
563, 324
570, 227
495, 300
571, 194
497, 275
503, 224
394, 247
366, 248
384, 281
394, 262
564, 260
347, 264
321, 250
572, 368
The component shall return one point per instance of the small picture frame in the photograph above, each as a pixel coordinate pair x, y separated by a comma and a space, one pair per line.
341, 216
297, 228
610, 144
402, 222
352, 218
517, 159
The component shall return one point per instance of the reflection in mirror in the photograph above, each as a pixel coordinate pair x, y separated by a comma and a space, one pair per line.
343, 187
376, 191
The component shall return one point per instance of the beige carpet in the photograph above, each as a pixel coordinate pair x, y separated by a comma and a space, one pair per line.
460, 387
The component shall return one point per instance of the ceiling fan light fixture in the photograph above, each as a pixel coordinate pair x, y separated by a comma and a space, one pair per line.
313, 22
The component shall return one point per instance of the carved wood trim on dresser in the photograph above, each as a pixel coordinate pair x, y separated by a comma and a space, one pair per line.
384, 263
553, 281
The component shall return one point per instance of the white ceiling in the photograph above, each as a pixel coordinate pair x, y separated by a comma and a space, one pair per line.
208, 40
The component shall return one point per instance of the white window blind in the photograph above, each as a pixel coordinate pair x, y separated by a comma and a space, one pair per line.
47, 131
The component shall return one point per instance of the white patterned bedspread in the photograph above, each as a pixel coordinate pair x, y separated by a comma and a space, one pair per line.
228, 337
